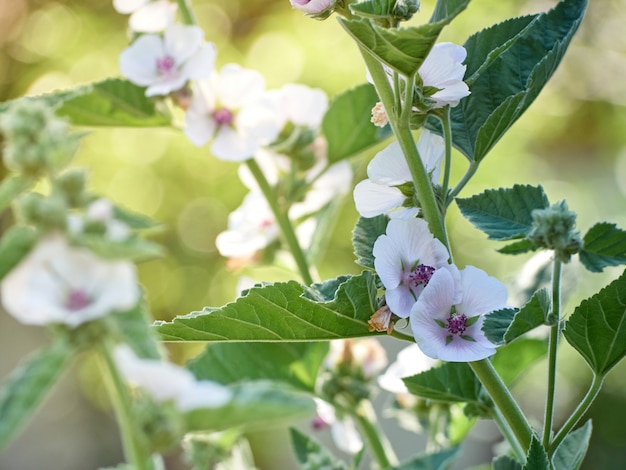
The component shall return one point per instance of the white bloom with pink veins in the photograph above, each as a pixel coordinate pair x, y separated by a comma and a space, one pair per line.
446, 321
405, 259
410, 361
379, 193
232, 109
165, 381
312, 6
147, 16
251, 227
443, 68
166, 63
57, 283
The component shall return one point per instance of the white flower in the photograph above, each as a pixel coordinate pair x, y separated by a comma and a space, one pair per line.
100, 211
312, 7
232, 109
165, 381
446, 322
300, 105
147, 16
251, 227
165, 64
343, 430
57, 283
379, 194
443, 69
405, 260
410, 361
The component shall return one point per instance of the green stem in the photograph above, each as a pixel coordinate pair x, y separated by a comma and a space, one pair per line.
555, 332
503, 399
185, 12
136, 453
508, 434
578, 413
282, 219
462, 182
447, 137
378, 443
402, 131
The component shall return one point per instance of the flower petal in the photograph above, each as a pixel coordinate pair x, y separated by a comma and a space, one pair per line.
389, 166
372, 199
481, 292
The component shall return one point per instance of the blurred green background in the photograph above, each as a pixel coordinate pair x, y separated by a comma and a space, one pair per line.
572, 141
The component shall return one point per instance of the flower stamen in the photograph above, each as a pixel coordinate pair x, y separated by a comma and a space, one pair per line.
457, 324
421, 274
166, 65
223, 117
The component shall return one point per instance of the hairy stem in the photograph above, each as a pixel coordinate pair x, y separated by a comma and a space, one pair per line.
508, 434
447, 137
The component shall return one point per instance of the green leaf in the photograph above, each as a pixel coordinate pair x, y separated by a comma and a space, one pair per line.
404, 49
603, 245
597, 328
506, 325
451, 382
311, 454
347, 126
537, 458
256, 405
295, 364
447, 8
11, 187
27, 385
505, 462
133, 248
435, 461
365, 233
134, 220
518, 247
133, 328
283, 312
504, 213
374, 8
508, 64
571, 453
512, 360
14, 246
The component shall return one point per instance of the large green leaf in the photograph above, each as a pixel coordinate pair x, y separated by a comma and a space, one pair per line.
311, 454
603, 245
27, 385
571, 452
451, 382
597, 328
365, 233
347, 126
404, 49
111, 102
255, 405
512, 360
504, 462
447, 8
504, 213
133, 328
15, 244
508, 64
435, 461
284, 312
295, 364
537, 458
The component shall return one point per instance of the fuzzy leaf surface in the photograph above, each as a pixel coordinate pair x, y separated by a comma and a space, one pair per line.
603, 245
365, 233
571, 453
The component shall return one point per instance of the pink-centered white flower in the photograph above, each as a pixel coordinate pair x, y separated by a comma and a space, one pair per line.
166, 63
147, 16
405, 259
58, 283
313, 7
410, 361
447, 318
443, 69
300, 105
232, 110
165, 381
388, 171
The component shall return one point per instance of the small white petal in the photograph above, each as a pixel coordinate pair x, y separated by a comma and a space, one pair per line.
372, 199
345, 435
232, 146
389, 166
138, 62
199, 128
182, 42
410, 361
237, 85
153, 17
128, 6
201, 64
431, 148
481, 292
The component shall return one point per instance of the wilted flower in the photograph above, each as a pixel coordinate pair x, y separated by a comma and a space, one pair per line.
388, 172
410, 361
57, 283
165, 381
165, 63
443, 69
405, 260
232, 109
147, 16
446, 321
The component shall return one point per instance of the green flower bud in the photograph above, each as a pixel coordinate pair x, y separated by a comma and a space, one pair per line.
553, 229
49, 213
161, 424
405, 9
71, 185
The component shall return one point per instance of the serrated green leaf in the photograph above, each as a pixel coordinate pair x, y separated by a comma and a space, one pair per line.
15, 244
512, 360
603, 245
506, 325
347, 126
537, 458
133, 328
497, 323
254, 405
518, 247
365, 233
571, 452
311, 454
295, 364
597, 328
450, 382
282, 312
504, 213
434, 461
508, 64
505, 462
26, 386
11, 187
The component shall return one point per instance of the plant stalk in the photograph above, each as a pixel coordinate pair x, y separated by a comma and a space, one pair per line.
378, 443
186, 12
508, 434
447, 164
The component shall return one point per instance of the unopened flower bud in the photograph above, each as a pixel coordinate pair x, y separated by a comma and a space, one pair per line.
318, 9
49, 213
405, 9
72, 185
553, 229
